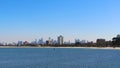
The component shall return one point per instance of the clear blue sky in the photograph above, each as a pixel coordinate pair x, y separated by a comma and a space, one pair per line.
83, 19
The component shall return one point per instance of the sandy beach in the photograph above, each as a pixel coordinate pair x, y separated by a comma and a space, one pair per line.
116, 48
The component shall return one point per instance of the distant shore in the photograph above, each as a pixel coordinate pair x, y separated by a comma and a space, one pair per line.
116, 48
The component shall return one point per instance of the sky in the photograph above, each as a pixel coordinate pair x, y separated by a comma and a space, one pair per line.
81, 19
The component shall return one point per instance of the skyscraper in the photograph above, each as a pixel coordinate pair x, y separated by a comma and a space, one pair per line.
60, 40
20, 43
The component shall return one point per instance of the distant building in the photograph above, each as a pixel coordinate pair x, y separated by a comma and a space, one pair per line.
83, 41
60, 40
48, 42
35, 42
13, 44
25, 43
67, 42
41, 41
55, 42
101, 42
77, 40
20, 43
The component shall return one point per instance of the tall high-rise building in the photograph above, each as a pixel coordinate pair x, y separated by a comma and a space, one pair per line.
41, 41
60, 40
20, 43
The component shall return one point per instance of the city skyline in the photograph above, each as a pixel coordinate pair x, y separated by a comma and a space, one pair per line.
59, 40
83, 19
100, 42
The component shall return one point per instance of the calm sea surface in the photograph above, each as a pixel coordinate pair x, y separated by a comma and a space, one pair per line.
58, 58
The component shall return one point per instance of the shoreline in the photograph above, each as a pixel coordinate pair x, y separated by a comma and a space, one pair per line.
116, 48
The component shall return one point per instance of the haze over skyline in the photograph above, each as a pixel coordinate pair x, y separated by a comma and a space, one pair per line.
83, 19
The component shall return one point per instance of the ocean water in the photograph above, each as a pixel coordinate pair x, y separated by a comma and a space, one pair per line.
59, 58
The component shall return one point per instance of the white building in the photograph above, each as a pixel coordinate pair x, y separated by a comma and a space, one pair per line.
60, 40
